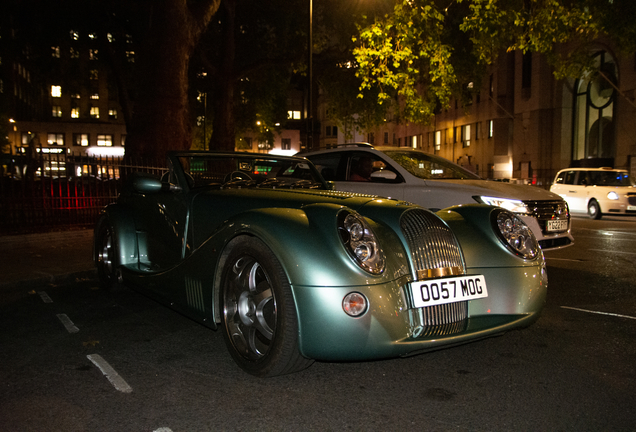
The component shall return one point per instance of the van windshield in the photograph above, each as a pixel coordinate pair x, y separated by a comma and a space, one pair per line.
608, 178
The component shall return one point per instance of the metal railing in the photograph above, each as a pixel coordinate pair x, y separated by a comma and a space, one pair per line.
55, 192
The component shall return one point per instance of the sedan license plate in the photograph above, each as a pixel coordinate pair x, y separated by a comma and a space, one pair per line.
448, 290
557, 225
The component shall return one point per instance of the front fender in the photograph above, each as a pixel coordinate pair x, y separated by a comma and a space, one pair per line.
480, 244
307, 244
120, 219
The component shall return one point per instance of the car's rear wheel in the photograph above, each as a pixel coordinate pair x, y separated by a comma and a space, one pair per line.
594, 210
260, 325
106, 257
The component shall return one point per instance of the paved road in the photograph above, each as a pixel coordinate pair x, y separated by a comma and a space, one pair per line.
572, 371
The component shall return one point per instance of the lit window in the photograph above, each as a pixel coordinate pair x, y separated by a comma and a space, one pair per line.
80, 140
74, 35
466, 135
94, 112
75, 96
110, 37
56, 139
293, 115
55, 51
92, 54
130, 56
491, 128
74, 53
95, 96
438, 140
94, 74
105, 140
57, 111
112, 114
75, 113
56, 91
92, 36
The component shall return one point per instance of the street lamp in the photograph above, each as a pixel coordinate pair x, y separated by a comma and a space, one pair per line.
310, 78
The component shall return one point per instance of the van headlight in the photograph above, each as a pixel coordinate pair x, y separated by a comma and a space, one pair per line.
361, 242
515, 234
515, 206
612, 195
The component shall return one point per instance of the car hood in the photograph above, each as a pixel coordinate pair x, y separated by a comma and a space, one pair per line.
497, 189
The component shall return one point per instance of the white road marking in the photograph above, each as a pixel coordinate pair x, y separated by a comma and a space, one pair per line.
163, 429
45, 297
67, 323
599, 313
564, 259
613, 252
110, 373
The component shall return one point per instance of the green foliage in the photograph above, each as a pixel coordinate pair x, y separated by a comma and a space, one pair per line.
423, 52
404, 52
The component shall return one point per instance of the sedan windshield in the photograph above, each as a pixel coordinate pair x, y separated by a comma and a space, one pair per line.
226, 171
427, 166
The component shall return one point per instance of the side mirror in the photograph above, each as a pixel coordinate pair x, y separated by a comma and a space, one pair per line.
149, 185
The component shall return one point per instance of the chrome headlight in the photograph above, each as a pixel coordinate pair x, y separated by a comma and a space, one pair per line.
515, 234
612, 195
515, 206
360, 242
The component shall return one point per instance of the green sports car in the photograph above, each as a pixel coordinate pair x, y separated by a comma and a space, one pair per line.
291, 271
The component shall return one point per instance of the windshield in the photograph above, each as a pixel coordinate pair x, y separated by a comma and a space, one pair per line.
427, 166
609, 178
226, 171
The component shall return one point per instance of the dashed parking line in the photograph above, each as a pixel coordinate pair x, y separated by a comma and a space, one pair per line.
70, 327
599, 313
110, 373
45, 297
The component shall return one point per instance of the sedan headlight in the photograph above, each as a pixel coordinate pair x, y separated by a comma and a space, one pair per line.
360, 242
612, 195
515, 234
515, 206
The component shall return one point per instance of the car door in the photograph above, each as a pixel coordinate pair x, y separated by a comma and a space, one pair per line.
160, 221
568, 185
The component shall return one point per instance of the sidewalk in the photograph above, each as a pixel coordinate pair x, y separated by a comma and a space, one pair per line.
33, 260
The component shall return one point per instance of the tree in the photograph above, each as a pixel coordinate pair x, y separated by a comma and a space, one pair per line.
246, 63
412, 53
161, 120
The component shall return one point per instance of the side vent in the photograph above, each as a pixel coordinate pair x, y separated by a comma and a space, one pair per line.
194, 294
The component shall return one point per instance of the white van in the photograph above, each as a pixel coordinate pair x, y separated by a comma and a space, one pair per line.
596, 191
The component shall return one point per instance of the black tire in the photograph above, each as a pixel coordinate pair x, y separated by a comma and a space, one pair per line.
106, 258
594, 210
260, 326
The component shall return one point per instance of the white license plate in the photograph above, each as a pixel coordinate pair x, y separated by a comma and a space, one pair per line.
557, 225
448, 290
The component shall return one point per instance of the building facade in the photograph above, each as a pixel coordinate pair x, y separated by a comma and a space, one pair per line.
523, 125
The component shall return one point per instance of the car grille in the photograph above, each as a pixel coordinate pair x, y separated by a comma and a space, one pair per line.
433, 245
544, 211
631, 198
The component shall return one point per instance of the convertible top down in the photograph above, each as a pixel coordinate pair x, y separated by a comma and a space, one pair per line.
290, 271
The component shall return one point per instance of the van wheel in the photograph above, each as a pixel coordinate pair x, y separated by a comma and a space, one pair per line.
594, 210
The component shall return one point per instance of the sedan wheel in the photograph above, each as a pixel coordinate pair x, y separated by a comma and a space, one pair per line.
259, 318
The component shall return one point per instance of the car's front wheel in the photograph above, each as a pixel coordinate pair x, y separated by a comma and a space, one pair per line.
106, 257
594, 210
260, 325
